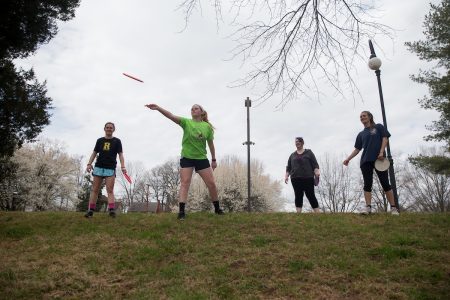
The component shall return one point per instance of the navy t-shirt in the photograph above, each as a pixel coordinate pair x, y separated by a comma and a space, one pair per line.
370, 140
107, 150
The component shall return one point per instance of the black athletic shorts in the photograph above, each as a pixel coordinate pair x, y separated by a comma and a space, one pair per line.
198, 164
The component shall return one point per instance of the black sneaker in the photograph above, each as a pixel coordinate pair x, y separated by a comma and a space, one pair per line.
219, 212
112, 213
181, 215
89, 214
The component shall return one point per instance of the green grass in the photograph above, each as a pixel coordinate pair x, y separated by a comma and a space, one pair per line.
236, 256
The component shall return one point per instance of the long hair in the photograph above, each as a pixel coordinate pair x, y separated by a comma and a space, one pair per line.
204, 116
369, 114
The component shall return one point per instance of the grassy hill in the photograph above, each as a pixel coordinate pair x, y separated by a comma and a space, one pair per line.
236, 256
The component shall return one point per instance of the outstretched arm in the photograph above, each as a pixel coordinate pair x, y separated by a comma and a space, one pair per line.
353, 154
164, 112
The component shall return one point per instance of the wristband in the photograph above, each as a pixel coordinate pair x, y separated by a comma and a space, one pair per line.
213, 159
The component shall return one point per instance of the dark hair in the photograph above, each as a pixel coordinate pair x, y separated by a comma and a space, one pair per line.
111, 124
300, 139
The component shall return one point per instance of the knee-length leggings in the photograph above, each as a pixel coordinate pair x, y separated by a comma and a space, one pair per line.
304, 186
367, 172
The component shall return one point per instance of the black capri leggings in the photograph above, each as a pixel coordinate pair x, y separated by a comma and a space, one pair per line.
367, 172
304, 185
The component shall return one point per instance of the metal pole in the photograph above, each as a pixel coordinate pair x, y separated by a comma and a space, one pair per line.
248, 104
388, 148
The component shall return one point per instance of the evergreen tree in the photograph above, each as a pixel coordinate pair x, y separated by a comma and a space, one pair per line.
24, 26
24, 108
436, 48
27, 24
24, 105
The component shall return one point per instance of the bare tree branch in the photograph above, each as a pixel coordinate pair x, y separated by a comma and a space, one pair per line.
292, 47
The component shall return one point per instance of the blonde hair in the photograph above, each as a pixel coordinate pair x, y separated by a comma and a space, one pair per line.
204, 116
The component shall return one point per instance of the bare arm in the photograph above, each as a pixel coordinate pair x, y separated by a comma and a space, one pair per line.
91, 160
286, 177
353, 154
122, 163
164, 112
384, 143
288, 170
212, 150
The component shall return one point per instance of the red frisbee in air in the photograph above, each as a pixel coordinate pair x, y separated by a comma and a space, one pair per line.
132, 77
127, 177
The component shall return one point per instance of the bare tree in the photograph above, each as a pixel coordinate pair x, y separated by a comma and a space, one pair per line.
337, 191
292, 45
162, 183
427, 191
231, 181
169, 173
131, 190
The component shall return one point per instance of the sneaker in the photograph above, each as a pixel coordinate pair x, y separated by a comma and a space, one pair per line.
112, 213
367, 211
89, 214
394, 211
181, 215
219, 212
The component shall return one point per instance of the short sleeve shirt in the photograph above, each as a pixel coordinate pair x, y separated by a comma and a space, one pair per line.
195, 135
107, 150
370, 140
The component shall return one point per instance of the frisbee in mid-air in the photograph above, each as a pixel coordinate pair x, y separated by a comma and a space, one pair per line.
127, 177
132, 77
382, 165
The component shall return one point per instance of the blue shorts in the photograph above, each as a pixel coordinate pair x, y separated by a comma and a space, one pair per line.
102, 172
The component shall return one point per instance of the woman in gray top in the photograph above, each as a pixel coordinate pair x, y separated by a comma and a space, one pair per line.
302, 166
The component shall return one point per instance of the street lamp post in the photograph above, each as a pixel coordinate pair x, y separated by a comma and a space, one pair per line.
248, 104
375, 64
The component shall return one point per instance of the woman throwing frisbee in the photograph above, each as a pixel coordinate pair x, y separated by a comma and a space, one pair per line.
107, 148
197, 131
373, 139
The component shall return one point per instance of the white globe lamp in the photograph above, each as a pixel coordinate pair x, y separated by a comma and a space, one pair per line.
374, 63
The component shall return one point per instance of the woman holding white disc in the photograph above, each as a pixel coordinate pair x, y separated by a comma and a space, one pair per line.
373, 139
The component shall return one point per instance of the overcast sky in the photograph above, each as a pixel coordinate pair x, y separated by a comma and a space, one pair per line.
83, 66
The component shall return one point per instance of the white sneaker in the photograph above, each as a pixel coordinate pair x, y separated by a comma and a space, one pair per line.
394, 211
367, 210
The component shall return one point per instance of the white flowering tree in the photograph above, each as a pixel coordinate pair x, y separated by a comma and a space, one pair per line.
47, 176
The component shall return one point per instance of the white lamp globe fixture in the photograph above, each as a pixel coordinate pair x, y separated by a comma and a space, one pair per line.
374, 63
